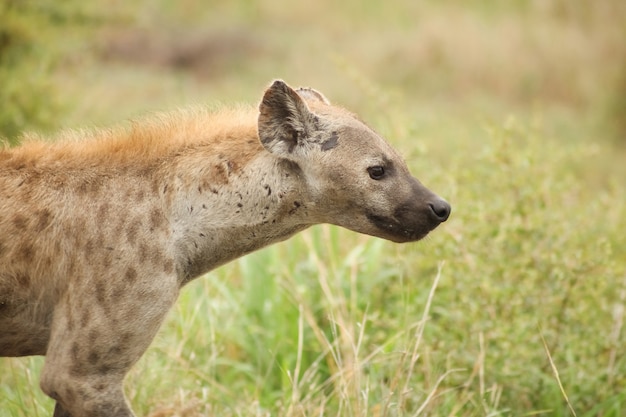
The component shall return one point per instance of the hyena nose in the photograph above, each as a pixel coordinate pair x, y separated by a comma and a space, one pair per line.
441, 209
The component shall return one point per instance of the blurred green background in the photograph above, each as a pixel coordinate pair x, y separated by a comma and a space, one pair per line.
514, 111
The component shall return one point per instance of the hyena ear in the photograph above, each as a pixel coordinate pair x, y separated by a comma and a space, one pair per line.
285, 121
310, 94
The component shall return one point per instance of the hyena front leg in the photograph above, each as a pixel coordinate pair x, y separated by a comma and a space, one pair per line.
96, 337
119, 409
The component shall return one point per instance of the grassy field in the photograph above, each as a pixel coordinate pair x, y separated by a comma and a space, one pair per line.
512, 111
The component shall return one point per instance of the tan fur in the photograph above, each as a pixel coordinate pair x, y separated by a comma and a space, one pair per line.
99, 230
142, 142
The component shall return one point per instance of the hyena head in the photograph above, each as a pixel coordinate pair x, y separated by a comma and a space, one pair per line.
356, 180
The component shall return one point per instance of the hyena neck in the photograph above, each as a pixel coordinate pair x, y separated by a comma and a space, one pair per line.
263, 202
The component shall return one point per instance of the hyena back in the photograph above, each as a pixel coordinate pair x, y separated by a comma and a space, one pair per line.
98, 235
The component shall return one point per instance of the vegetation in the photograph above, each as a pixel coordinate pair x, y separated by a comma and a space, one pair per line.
28, 54
510, 110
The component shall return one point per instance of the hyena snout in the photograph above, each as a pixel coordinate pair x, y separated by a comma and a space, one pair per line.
411, 220
440, 208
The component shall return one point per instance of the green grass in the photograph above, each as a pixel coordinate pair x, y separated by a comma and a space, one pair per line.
507, 111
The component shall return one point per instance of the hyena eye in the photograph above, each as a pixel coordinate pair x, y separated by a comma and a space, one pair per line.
376, 172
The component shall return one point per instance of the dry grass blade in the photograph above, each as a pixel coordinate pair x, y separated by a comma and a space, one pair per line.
420, 328
433, 391
556, 373
295, 378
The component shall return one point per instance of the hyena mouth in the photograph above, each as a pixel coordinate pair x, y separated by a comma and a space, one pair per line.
411, 222
396, 231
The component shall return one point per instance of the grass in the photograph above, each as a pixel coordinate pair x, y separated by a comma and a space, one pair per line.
508, 111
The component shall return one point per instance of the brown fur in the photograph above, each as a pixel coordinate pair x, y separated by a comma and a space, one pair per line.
100, 230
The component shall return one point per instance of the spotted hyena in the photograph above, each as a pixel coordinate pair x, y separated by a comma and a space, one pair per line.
99, 231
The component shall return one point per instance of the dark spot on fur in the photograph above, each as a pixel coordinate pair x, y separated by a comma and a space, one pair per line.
82, 188
75, 351
89, 248
20, 221
25, 253
331, 142
168, 266
70, 319
93, 357
269, 190
132, 231
118, 293
108, 258
114, 351
43, 219
156, 219
143, 252
93, 336
204, 206
80, 224
125, 338
141, 195
22, 280
156, 255
84, 320
100, 292
70, 397
88, 187
71, 267
131, 275
103, 370
296, 205
222, 173
103, 210
239, 205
